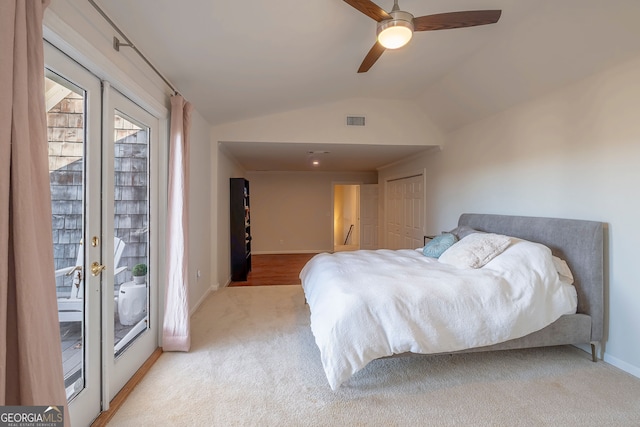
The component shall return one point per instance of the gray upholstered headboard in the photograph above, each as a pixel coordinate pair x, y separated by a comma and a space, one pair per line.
578, 242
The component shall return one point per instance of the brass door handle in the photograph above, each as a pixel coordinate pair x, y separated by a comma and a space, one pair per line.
96, 268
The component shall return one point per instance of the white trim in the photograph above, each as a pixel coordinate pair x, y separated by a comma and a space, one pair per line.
620, 364
107, 331
197, 305
611, 360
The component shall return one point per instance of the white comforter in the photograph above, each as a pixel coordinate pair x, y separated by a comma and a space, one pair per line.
370, 304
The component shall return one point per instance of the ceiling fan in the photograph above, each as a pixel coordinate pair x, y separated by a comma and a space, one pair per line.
396, 28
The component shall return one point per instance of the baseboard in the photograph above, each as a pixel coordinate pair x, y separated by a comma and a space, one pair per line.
613, 361
301, 251
118, 400
627, 367
204, 296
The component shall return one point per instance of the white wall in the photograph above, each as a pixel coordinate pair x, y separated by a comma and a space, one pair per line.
571, 154
388, 122
200, 211
292, 212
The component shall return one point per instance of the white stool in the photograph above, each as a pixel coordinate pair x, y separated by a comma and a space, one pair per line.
132, 302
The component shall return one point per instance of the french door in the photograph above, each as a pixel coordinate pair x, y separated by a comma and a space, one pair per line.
103, 157
129, 182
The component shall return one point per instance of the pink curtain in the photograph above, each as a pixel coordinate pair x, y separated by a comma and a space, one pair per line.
30, 355
176, 334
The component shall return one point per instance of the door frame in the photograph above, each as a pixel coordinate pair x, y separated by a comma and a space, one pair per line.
61, 37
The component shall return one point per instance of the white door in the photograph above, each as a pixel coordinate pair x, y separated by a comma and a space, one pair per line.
404, 212
413, 223
130, 215
369, 216
394, 214
73, 125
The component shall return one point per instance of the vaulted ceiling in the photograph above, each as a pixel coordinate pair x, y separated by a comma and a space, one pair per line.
236, 60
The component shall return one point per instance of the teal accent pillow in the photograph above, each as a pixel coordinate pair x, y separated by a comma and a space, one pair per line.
439, 244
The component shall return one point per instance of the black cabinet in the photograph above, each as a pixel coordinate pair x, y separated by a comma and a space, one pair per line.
240, 222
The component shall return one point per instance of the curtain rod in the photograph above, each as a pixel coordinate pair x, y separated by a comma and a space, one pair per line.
117, 44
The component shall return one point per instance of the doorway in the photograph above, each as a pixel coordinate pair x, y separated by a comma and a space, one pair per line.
355, 217
346, 217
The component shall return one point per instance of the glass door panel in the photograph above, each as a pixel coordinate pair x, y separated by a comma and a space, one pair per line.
131, 228
65, 128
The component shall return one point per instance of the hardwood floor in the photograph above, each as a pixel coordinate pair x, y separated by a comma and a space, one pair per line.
275, 269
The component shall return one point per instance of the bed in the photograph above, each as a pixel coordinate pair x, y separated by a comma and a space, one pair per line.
411, 303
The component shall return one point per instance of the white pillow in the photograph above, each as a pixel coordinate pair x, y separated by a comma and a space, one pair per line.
475, 250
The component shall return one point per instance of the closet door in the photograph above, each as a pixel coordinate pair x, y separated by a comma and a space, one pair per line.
404, 211
394, 213
413, 209
369, 216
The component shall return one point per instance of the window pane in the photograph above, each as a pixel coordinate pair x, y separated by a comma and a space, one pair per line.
65, 105
131, 226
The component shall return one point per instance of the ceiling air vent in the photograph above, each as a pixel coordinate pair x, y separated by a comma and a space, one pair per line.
355, 120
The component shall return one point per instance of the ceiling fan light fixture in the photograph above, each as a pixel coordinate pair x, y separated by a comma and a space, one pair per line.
397, 32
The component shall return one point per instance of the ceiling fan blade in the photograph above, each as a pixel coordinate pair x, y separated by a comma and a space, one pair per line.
370, 9
371, 57
445, 21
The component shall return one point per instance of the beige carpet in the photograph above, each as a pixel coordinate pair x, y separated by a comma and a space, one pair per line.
254, 362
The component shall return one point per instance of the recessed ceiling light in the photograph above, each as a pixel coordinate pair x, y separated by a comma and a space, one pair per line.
314, 157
